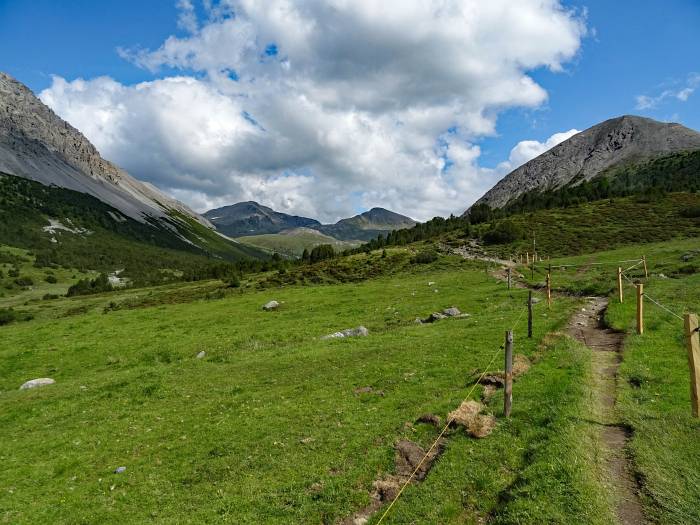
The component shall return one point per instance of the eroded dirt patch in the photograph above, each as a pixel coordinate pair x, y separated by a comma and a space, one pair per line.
409, 457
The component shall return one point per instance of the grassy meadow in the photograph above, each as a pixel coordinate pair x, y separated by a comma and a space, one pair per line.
267, 427
275, 425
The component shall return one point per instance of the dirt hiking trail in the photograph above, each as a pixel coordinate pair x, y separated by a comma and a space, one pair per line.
588, 326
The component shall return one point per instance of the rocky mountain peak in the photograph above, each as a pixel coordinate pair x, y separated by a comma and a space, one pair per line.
584, 156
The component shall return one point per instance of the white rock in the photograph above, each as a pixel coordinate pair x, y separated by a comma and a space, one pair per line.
360, 331
430, 283
452, 311
201, 354
35, 383
119, 470
272, 305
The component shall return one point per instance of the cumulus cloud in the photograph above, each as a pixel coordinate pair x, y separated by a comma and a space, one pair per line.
325, 107
526, 150
681, 92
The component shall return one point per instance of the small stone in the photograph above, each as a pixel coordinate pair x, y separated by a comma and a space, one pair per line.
360, 331
435, 316
36, 383
306, 440
430, 283
119, 470
452, 311
272, 305
201, 354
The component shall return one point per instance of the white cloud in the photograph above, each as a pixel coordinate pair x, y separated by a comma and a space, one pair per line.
322, 107
526, 150
679, 92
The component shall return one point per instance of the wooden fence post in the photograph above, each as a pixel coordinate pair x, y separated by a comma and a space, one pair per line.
527, 258
644, 260
508, 388
509, 272
691, 333
640, 308
619, 282
549, 289
529, 314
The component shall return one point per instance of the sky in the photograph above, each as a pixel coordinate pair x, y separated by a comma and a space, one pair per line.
329, 108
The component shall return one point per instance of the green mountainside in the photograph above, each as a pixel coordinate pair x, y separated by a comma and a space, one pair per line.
292, 243
75, 230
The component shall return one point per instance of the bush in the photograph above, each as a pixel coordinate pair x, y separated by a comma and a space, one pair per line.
233, 282
24, 281
692, 212
51, 279
321, 253
8, 315
425, 257
503, 233
86, 286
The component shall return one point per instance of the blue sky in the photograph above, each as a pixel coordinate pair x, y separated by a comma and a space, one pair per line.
632, 49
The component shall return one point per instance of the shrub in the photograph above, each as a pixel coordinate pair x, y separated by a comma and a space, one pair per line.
24, 281
503, 233
86, 286
8, 315
425, 257
691, 212
51, 279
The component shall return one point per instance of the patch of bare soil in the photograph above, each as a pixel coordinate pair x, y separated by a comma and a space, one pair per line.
408, 458
588, 327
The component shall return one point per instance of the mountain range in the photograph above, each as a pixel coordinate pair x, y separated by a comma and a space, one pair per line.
253, 219
595, 152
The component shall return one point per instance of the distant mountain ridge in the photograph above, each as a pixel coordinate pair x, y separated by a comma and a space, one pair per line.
250, 218
586, 155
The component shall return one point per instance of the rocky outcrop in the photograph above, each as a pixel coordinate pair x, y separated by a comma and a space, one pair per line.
37, 144
587, 154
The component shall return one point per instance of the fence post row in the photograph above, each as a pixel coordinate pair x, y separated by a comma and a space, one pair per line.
529, 314
693, 338
619, 282
640, 308
508, 387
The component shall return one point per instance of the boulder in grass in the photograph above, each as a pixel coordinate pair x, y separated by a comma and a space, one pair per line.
201, 355
272, 305
435, 316
360, 331
453, 311
36, 383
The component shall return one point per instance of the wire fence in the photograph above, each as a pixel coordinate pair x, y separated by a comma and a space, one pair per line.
513, 325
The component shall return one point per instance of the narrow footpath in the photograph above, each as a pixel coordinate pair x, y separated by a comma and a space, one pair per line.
588, 327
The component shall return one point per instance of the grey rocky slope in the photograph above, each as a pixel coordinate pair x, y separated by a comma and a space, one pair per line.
37, 144
587, 154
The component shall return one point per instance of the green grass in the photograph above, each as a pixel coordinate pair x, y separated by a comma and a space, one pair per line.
218, 439
541, 466
293, 243
653, 385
